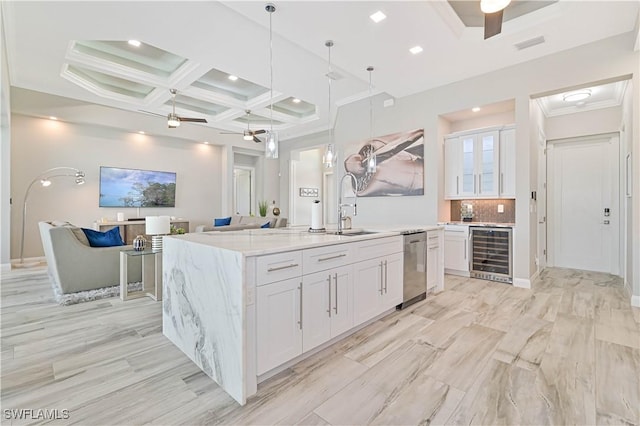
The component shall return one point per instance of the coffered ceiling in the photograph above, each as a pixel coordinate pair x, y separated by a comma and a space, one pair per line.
79, 51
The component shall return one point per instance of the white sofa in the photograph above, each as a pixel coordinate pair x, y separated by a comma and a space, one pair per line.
76, 266
239, 223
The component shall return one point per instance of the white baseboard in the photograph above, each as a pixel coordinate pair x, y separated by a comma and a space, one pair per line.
522, 283
635, 301
29, 262
5, 267
627, 287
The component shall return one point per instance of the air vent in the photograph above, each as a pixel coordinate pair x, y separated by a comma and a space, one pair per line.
529, 43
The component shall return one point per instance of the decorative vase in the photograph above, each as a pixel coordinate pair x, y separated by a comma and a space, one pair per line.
276, 211
139, 243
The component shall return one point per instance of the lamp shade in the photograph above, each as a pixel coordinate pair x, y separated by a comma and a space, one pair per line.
157, 225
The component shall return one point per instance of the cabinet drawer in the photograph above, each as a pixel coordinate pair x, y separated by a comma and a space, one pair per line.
277, 267
323, 258
433, 239
377, 247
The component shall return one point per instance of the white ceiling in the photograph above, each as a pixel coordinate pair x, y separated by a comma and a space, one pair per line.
233, 38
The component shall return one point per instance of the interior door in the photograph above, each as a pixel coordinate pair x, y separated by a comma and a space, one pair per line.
583, 204
243, 190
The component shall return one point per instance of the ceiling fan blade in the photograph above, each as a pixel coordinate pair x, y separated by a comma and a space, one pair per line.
259, 132
493, 24
256, 140
192, 120
230, 133
153, 113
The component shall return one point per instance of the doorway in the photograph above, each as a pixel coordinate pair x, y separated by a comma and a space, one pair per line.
583, 203
244, 190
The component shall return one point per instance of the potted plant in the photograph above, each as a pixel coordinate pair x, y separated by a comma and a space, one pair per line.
262, 207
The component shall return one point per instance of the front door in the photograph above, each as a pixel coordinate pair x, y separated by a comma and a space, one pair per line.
583, 203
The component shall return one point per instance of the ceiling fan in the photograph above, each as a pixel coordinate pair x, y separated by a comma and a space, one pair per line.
493, 12
247, 135
173, 119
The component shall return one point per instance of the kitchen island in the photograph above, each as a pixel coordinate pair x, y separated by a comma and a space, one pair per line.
245, 305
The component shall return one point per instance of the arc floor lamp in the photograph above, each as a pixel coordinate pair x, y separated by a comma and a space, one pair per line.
44, 179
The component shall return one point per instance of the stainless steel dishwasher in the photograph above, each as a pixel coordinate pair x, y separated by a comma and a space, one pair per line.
415, 267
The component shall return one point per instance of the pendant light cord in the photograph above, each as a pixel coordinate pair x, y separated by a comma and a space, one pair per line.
271, 69
329, 44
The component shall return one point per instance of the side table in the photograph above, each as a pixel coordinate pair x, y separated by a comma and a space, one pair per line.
151, 274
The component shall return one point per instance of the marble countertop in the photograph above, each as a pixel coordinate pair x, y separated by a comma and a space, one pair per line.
256, 242
492, 224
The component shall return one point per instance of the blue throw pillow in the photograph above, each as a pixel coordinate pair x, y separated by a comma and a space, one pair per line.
109, 238
223, 221
266, 225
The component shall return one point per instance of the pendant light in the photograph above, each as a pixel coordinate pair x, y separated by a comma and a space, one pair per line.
271, 143
371, 160
329, 157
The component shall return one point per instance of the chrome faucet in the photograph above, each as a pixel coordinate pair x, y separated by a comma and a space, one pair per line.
341, 205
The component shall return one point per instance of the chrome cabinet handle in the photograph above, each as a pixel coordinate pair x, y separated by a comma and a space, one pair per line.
386, 277
465, 249
501, 182
279, 268
335, 280
381, 278
329, 310
480, 183
458, 185
332, 257
300, 322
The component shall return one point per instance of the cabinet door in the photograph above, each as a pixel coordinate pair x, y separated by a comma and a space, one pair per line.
393, 281
487, 157
456, 251
433, 263
316, 309
468, 185
367, 290
452, 167
342, 300
279, 327
508, 163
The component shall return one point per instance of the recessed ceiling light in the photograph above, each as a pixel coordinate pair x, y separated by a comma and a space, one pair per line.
378, 17
134, 43
51, 117
576, 96
415, 50
232, 77
296, 100
141, 132
475, 109
206, 142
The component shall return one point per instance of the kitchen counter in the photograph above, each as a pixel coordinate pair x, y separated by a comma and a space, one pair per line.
213, 282
491, 224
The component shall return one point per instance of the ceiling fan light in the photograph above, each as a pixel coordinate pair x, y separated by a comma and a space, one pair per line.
247, 137
576, 96
173, 121
493, 6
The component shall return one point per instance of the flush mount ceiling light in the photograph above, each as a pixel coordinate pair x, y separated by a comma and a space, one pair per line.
232, 77
493, 6
134, 43
415, 50
576, 96
296, 100
378, 17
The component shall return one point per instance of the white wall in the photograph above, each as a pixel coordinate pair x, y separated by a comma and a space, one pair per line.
606, 120
482, 121
5, 157
40, 144
589, 63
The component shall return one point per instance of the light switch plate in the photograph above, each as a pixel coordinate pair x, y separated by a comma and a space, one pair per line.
500, 208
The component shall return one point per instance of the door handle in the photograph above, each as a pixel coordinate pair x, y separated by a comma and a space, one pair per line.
606, 222
300, 322
457, 184
501, 182
329, 310
335, 280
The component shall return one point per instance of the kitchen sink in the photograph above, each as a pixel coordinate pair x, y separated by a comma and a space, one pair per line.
348, 232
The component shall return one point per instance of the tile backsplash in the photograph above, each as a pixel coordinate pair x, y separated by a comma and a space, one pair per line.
486, 210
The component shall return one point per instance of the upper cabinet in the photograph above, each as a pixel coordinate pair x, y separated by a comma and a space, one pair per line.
474, 164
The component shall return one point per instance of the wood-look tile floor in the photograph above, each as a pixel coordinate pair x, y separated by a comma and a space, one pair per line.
566, 352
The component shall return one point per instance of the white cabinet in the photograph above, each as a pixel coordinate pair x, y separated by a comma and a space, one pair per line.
456, 250
472, 165
508, 163
377, 286
435, 261
279, 323
326, 305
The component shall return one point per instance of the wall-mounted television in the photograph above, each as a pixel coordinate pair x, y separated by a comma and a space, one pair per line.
136, 188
